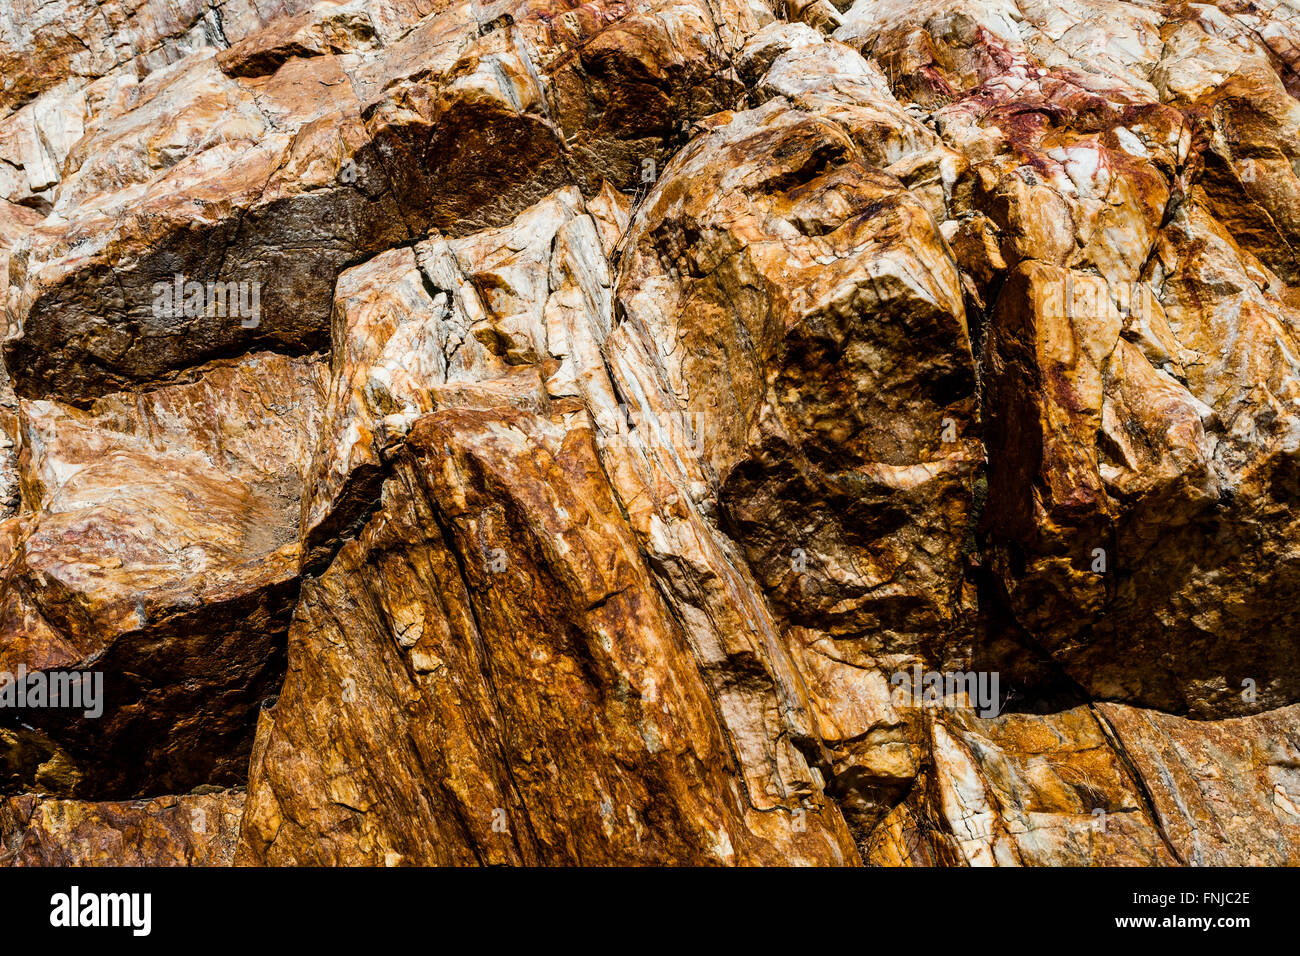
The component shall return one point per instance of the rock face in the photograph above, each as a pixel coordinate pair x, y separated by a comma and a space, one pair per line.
655, 433
191, 830
1109, 785
158, 547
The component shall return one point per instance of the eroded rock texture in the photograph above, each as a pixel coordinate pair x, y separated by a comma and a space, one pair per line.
535, 432
192, 830
158, 547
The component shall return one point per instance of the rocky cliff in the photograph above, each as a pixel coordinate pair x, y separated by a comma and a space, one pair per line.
663, 432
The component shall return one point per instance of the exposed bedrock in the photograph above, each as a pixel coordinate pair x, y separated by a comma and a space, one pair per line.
554, 433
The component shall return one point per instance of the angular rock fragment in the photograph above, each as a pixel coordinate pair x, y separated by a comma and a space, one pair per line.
1227, 792
327, 28
1123, 230
79, 66
1107, 785
434, 325
269, 186
158, 550
1021, 790
807, 315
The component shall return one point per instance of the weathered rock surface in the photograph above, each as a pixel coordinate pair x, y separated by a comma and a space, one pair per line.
1130, 200
1109, 785
809, 319
491, 655
158, 547
190, 830
279, 181
695, 370
14, 220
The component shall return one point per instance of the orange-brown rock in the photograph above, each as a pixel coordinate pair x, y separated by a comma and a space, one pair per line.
491, 656
157, 547
1106, 785
697, 372
197, 829
809, 319
276, 182
1124, 230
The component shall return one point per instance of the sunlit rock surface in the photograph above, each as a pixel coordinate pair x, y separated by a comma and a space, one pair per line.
191, 830
157, 546
1109, 785
535, 432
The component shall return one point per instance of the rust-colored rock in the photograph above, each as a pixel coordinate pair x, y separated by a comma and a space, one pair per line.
192, 830
701, 376
158, 548
491, 656
1106, 785
276, 182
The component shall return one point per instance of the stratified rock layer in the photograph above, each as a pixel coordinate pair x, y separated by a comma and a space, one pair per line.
492, 656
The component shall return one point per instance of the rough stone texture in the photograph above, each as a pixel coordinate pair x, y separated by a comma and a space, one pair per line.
1137, 172
158, 546
1226, 793
1109, 785
694, 368
284, 179
191, 830
65, 66
810, 321
503, 707
14, 220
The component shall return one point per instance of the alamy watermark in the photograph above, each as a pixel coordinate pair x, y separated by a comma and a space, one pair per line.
77, 909
685, 430
213, 300
917, 688
76, 690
